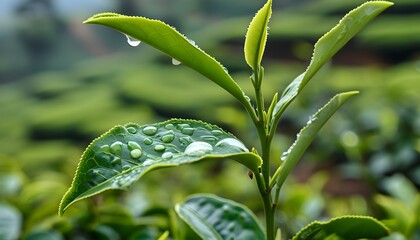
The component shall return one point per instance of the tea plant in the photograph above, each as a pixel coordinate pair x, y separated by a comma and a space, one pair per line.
121, 156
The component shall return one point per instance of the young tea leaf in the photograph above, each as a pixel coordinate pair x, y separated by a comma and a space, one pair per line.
168, 40
256, 36
212, 217
327, 46
345, 228
307, 135
117, 159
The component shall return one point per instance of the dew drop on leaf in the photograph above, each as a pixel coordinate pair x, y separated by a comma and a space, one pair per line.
175, 62
150, 130
197, 149
133, 145
188, 131
167, 155
116, 148
131, 130
132, 41
148, 162
159, 148
168, 137
136, 153
232, 142
147, 141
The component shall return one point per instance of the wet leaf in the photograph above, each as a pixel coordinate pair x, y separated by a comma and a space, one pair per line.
168, 40
212, 217
117, 159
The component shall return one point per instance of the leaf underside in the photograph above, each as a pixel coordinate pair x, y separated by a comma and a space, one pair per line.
345, 227
168, 40
118, 158
212, 217
327, 46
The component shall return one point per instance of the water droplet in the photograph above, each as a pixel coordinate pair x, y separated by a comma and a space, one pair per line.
116, 148
132, 41
188, 131
175, 62
216, 132
170, 126
168, 137
226, 70
197, 149
126, 167
167, 155
311, 120
136, 153
98, 175
159, 148
192, 42
232, 142
284, 155
150, 130
133, 145
116, 161
148, 162
369, 10
105, 148
185, 140
209, 138
183, 125
131, 130
147, 141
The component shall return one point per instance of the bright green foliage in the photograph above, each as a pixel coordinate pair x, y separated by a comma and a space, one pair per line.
327, 46
117, 159
307, 135
256, 36
168, 40
212, 217
343, 228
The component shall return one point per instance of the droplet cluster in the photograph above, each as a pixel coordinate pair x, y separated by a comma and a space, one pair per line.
124, 150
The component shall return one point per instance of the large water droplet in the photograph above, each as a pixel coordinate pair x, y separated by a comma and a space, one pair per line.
175, 62
170, 126
136, 153
105, 148
116, 148
167, 155
116, 161
132, 41
216, 132
183, 125
147, 141
159, 148
209, 138
150, 130
197, 149
148, 162
131, 130
232, 142
188, 131
168, 137
133, 145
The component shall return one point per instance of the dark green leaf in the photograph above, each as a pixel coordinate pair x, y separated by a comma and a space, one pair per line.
168, 40
212, 217
117, 159
345, 228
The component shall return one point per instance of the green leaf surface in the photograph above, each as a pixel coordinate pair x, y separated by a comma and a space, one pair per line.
168, 40
118, 158
327, 46
307, 135
256, 36
345, 228
212, 217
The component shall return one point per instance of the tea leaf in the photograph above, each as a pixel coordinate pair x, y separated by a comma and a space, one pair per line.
117, 159
327, 46
168, 40
212, 217
307, 135
256, 36
345, 227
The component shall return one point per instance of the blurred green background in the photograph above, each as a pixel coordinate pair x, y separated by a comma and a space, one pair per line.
63, 83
